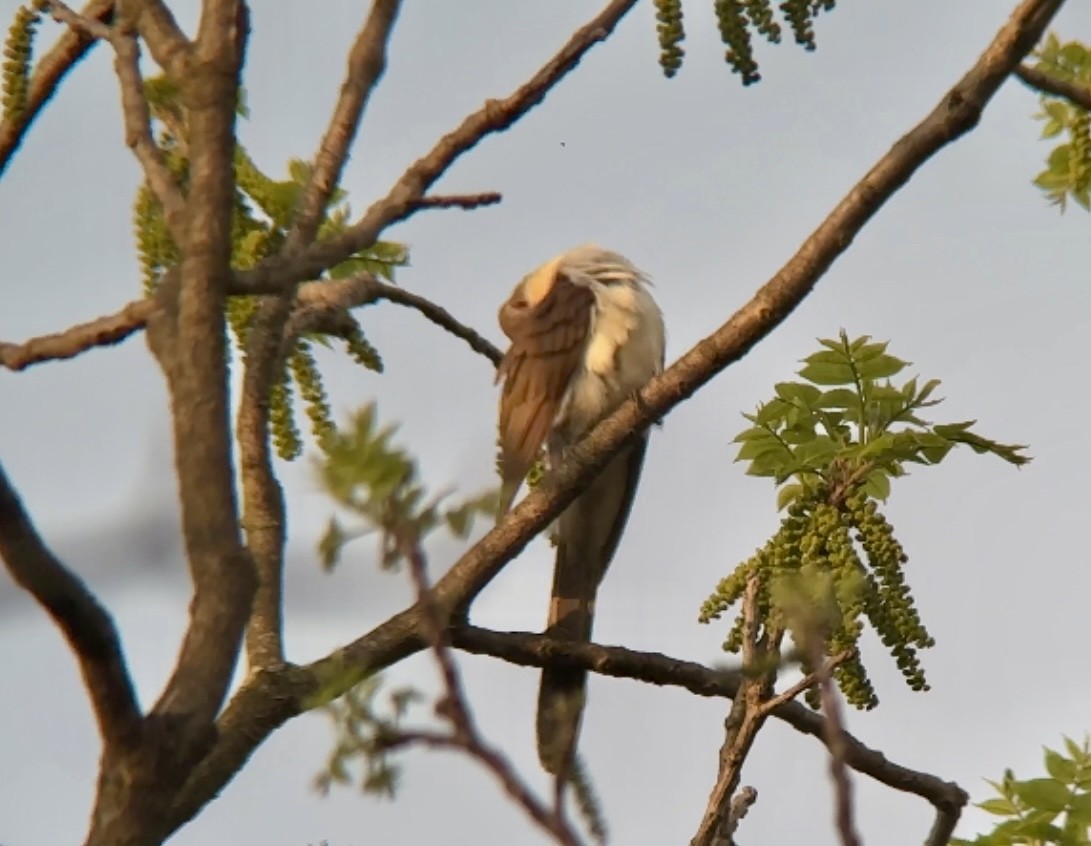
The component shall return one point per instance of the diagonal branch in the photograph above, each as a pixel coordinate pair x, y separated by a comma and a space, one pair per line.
134, 106
366, 63
86, 625
1045, 83
340, 295
72, 46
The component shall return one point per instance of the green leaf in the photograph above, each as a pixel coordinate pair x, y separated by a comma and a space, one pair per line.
823, 373
877, 485
797, 392
840, 398
999, 806
1076, 752
1059, 767
787, 494
1043, 794
881, 367
1079, 809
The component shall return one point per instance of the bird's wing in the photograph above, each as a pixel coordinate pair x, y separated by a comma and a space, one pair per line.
548, 339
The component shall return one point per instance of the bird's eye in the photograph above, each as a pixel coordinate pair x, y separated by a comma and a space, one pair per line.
520, 303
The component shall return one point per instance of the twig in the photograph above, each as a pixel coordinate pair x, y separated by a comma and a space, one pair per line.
1046, 83
809, 680
134, 106
741, 803
743, 722
459, 201
138, 133
48, 72
835, 741
86, 625
366, 63
88, 26
454, 708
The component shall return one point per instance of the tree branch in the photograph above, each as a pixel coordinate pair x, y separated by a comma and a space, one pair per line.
47, 75
366, 63
169, 46
134, 106
316, 303
86, 625
745, 719
459, 201
192, 350
1045, 83
364, 288
103, 331
263, 517
532, 650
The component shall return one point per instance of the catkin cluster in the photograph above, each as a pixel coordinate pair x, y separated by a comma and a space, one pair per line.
849, 549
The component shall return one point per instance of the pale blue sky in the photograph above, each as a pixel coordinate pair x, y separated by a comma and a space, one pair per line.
707, 186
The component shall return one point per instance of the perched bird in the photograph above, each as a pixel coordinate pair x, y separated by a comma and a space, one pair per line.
585, 336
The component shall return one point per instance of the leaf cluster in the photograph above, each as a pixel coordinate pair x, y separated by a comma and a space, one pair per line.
738, 21
264, 213
832, 443
364, 731
1055, 809
379, 483
1067, 174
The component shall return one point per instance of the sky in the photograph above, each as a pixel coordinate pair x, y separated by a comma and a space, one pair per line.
707, 186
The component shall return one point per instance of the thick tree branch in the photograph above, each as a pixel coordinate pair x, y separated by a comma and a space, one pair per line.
192, 350
1045, 83
250, 717
169, 46
406, 194
86, 625
72, 46
366, 63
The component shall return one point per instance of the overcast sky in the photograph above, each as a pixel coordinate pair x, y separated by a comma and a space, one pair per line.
710, 188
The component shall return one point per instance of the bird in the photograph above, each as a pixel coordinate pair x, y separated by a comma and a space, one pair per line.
585, 335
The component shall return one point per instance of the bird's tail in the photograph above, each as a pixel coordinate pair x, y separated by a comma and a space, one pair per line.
587, 535
562, 691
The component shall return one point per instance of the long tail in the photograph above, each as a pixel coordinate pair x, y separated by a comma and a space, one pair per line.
587, 536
